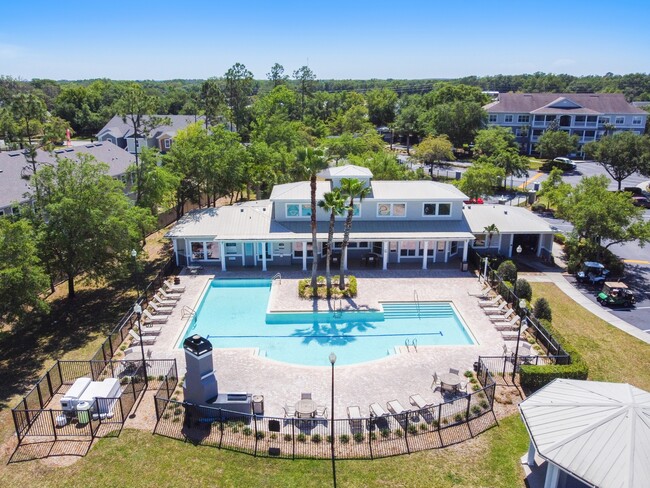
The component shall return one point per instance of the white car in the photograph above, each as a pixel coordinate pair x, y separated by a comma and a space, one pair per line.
565, 163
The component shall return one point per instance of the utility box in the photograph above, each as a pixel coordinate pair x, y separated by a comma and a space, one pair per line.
532, 197
258, 404
536, 186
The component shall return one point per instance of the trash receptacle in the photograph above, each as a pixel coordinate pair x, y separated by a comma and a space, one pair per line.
502, 200
464, 266
532, 197
258, 404
536, 186
83, 412
458, 175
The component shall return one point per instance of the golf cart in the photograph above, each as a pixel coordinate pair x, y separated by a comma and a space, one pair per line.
592, 272
616, 293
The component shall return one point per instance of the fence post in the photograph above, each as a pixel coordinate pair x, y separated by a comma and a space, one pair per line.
467, 412
256, 440
49, 383
406, 433
53, 424
293, 438
370, 434
40, 397
221, 427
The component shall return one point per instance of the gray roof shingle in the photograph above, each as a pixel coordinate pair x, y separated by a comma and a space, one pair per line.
595, 103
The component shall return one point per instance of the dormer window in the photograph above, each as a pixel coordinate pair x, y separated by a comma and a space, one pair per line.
391, 210
436, 209
297, 210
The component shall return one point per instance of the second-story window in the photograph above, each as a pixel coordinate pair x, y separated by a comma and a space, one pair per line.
523, 119
636, 120
508, 118
619, 120
295, 210
433, 209
492, 118
391, 210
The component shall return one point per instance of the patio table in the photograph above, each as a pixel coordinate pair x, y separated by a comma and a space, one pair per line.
305, 408
450, 379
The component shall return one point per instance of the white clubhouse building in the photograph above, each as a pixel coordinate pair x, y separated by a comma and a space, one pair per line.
415, 223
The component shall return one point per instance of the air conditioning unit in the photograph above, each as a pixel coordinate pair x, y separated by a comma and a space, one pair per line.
73, 395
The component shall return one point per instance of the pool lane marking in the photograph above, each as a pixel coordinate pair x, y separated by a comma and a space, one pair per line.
530, 180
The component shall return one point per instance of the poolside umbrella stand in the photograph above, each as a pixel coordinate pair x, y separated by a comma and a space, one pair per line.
592, 432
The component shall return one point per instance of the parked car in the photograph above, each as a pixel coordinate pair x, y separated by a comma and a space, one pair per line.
592, 272
636, 191
476, 201
616, 293
565, 164
641, 201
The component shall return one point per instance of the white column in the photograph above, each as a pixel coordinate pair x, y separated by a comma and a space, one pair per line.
539, 244
384, 255
264, 244
399, 252
512, 240
345, 259
465, 250
243, 253
205, 251
222, 254
188, 252
530, 461
435, 251
304, 256
446, 251
175, 250
426, 252
552, 475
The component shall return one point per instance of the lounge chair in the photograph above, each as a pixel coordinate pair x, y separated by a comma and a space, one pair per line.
436, 382
418, 401
490, 303
396, 408
171, 288
147, 341
156, 319
169, 296
160, 309
496, 310
149, 330
163, 302
508, 324
377, 410
503, 317
483, 293
509, 335
355, 418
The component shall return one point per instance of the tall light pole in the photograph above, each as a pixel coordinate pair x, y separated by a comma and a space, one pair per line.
134, 255
332, 361
522, 311
137, 310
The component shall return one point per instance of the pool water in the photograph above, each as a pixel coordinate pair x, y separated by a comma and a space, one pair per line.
233, 313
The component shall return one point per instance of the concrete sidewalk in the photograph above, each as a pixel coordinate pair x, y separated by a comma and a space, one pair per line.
558, 278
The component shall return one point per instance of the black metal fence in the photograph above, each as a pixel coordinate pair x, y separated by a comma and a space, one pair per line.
502, 367
436, 426
110, 346
34, 416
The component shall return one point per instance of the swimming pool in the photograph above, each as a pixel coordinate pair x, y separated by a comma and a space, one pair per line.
233, 313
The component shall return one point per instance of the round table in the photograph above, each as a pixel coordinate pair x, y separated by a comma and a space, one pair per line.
449, 379
305, 408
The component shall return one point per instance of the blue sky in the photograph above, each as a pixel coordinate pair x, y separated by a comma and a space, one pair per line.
338, 39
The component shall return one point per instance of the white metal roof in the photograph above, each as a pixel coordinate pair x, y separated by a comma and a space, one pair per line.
415, 190
347, 171
597, 431
300, 191
509, 220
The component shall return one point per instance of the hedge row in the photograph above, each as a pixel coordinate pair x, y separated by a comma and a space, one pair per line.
534, 377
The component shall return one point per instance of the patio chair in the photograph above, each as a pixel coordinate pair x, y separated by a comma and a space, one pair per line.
354, 416
157, 319
454, 371
170, 287
396, 408
305, 396
149, 330
490, 303
462, 387
436, 382
161, 309
496, 310
161, 301
169, 296
503, 317
289, 412
418, 401
377, 410
321, 412
148, 341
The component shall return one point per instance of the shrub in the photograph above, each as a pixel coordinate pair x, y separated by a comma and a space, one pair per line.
273, 436
423, 427
399, 432
373, 436
328, 439
484, 404
503, 289
542, 309
358, 437
435, 424
384, 433
468, 374
523, 289
301, 437
538, 207
259, 436
476, 387
287, 437
344, 438
559, 238
412, 429
247, 431
476, 409
458, 418
316, 438
508, 271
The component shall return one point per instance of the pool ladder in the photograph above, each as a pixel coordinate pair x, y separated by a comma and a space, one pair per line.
277, 276
416, 299
338, 313
411, 343
187, 312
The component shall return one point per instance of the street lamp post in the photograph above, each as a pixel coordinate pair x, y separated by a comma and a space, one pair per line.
134, 255
522, 311
137, 309
332, 361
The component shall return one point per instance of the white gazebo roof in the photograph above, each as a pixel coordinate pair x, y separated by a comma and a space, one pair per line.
599, 432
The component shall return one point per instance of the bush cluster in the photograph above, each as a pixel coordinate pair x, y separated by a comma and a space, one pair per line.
508, 271
523, 289
305, 290
542, 309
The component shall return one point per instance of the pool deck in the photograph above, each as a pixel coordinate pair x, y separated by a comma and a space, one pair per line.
395, 377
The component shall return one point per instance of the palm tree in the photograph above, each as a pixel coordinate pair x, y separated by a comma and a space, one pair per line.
351, 188
489, 230
312, 161
334, 203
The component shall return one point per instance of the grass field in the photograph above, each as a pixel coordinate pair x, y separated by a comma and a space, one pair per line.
140, 459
